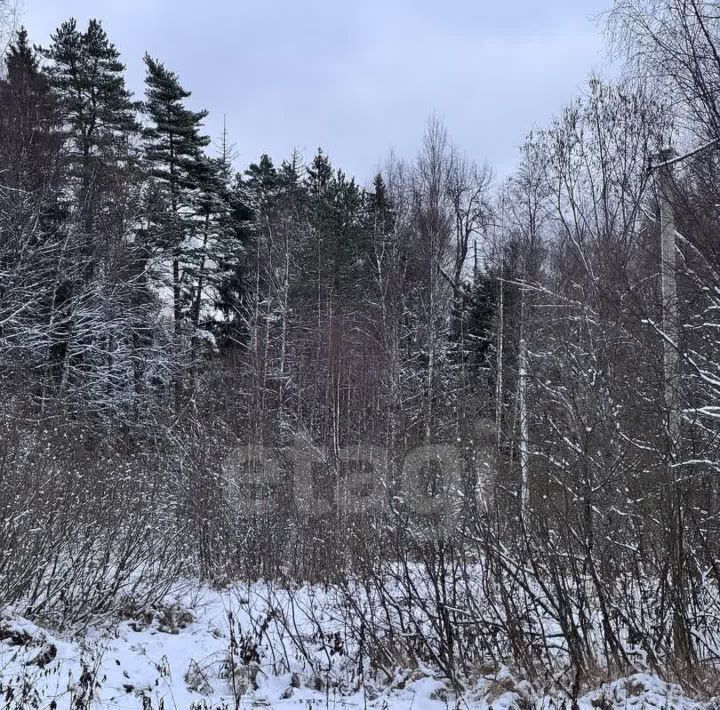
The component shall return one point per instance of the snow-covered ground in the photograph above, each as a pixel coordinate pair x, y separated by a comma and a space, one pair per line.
206, 649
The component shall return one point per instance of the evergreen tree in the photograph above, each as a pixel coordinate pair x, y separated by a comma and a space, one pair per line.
338, 256
319, 174
86, 73
99, 124
233, 276
21, 61
28, 119
174, 156
101, 301
381, 216
37, 261
260, 183
215, 256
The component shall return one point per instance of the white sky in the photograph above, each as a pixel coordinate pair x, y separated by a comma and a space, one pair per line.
361, 78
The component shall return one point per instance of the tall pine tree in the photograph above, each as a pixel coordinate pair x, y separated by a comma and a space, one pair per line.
87, 76
176, 163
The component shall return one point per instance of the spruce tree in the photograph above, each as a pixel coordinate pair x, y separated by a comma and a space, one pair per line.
28, 120
338, 255
21, 61
38, 266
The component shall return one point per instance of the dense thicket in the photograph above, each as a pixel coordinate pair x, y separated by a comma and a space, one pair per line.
456, 393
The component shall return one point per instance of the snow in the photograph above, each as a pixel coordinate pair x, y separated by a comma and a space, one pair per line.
177, 656
158, 661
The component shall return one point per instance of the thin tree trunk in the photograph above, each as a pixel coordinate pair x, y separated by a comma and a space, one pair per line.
524, 428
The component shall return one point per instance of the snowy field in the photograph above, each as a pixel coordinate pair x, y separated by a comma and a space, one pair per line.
207, 649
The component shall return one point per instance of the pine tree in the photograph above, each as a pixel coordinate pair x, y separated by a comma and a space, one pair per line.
98, 127
216, 253
174, 156
98, 307
232, 277
87, 75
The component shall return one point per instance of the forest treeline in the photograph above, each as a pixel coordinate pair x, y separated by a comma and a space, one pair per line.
170, 325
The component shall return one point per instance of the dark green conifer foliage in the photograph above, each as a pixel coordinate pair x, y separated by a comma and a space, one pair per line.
28, 120
21, 60
216, 253
174, 157
98, 127
342, 233
86, 73
174, 142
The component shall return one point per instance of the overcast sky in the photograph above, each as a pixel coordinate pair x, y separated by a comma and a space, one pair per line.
358, 78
